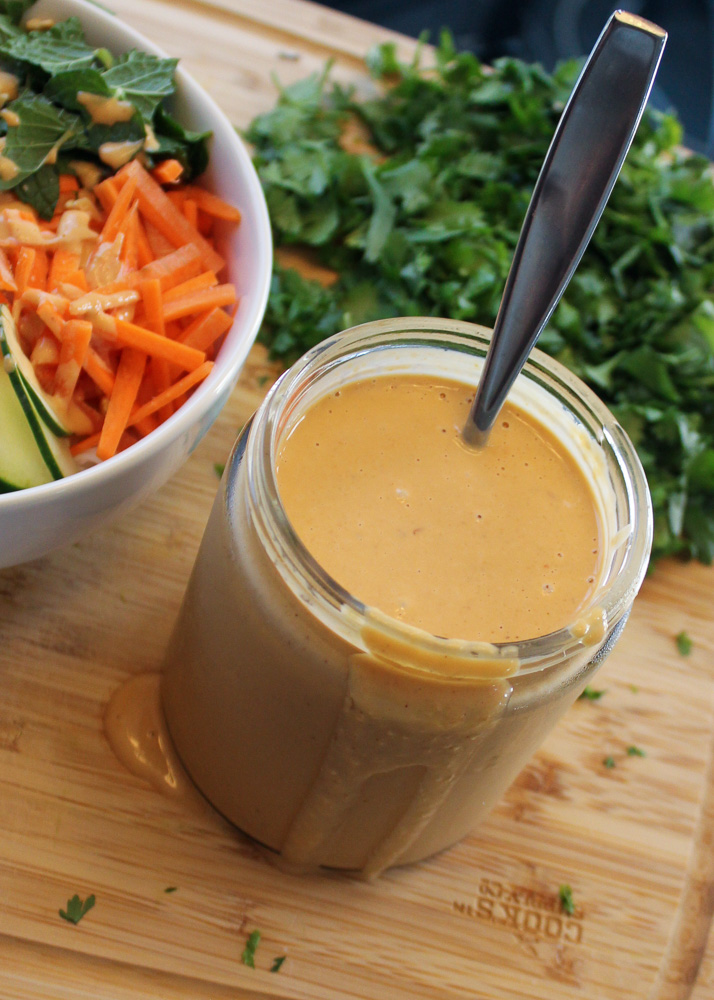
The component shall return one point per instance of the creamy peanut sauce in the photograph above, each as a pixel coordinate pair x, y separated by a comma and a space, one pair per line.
498, 545
116, 154
105, 110
9, 87
135, 730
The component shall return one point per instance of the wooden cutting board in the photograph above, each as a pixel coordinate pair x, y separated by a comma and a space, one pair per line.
635, 842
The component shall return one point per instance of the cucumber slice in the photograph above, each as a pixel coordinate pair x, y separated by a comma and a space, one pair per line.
42, 402
21, 462
54, 451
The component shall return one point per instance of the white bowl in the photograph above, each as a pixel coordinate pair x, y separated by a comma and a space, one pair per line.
35, 521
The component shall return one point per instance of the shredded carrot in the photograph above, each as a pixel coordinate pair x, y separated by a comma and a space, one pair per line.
7, 281
206, 279
23, 268
46, 351
119, 211
68, 183
74, 343
38, 274
129, 247
160, 381
190, 212
204, 298
206, 329
65, 263
175, 391
120, 328
52, 319
107, 192
86, 444
132, 335
144, 253
150, 291
98, 370
211, 204
158, 209
167, 172
126, 386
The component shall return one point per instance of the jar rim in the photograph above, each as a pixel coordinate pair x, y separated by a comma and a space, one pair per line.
300, 570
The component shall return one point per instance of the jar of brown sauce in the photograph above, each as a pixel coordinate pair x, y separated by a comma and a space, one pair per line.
334, 712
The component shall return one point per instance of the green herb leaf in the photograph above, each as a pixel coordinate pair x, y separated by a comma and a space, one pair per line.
8, 29
171, 888
248, 956
591, 694
142, 78
429, 224
42, 128
41, 190
60, 48
77, 908
189, 148
609, 762
63, 88
684, 643
219, 468
565, 895
277, 963
15, 10
635, 752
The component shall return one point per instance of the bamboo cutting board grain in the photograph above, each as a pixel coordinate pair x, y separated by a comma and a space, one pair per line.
635, 842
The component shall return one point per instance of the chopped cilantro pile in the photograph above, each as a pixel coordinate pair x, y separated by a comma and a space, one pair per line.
46, 126
428, 226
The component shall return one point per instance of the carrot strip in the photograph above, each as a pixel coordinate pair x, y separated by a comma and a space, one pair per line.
107, 193
38, 274
158, 209
131, 335
128, 251
99, 371
167, 172
119, 211
64, 266
172, 393
68, 183
7, 281
205, 298
150, 292
51, 317
205, 223
79, 447
75, 337
144, 253
206, 329
177, 197
211, 204
23, 268
174, 268
160, 245
190, 212
46, 350
206, 279
129, 375
161, 380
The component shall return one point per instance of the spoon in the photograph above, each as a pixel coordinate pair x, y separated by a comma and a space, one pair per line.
579, 171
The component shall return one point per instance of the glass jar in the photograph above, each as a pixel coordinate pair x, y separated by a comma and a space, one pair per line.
329, 732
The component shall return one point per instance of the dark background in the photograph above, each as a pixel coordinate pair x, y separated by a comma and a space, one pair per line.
547, 31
